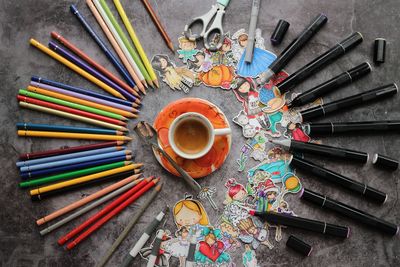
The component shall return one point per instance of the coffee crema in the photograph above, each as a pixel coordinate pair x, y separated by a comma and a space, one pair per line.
191, 136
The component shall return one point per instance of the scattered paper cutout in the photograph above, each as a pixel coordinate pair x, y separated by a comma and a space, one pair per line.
249, 257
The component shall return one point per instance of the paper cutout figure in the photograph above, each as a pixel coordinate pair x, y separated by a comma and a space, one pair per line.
249, 257
178, 247
229, 235
211, 249
178, 78
254, 232
220, 76
224, 56
163, 256
187, 49
201, 63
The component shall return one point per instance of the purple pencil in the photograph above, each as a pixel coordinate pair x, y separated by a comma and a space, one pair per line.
81, 96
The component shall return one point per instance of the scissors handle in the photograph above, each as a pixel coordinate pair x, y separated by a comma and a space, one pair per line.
204, 20
216, 27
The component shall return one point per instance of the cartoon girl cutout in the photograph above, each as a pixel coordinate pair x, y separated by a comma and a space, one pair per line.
191, 214
201, 63
254, 232
267, 193
224, 55
178, 78
294, 129
179, 247
249, 257
187, 49
247, 94
229, 235
211, 250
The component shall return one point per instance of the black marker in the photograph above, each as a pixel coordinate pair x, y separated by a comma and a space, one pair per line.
143, 239
351, 101
346, 182
327, 128
322, 61
290, 51
155, 249
333, 84
190, 261
348, 211
303, 223
329, 151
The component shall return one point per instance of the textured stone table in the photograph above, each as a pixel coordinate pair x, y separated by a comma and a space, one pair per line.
20, 243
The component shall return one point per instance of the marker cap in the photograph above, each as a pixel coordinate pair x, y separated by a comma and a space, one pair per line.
299, 246
279, 32
379, 50
385, 162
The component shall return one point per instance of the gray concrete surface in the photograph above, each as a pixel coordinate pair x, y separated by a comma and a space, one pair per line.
20, 242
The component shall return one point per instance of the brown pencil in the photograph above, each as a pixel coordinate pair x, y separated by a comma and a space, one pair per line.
158, 24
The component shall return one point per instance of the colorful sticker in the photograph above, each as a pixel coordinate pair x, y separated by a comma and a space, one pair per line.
178, 78
249, 257
187, 49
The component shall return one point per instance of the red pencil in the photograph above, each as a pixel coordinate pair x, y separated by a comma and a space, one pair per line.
104, 211
67, 150
110, 215
96, 65
70, 110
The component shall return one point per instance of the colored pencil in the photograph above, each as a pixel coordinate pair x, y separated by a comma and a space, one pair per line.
121, 34
121, 39
112, 190
69, 156
136, 42
62, 240
72, 105
82, 179
103, 46
82, 186
85, 200
97, 225
66, 150
76, 98
91, 70
75, 68
51, 171
62, 128
78, 159
73, 117
72, 174
131, 224
158, 24
69, 110
65, 135
93, 63
110, 99
115, 45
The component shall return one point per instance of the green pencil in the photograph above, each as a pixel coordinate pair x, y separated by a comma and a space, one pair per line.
125, 40
72, 105
72, 174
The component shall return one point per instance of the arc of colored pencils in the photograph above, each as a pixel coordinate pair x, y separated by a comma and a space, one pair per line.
72, 105
159, 26
131, 182
68, 97
125, 41
73, 117
119, 50
75, 68
136, 42
66, 135
92, 62
82, 179
85, 200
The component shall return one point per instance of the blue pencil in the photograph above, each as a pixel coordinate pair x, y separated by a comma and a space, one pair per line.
62, 128
70, 156
50, 171
73, 161
121, 69
81, 91
64, 52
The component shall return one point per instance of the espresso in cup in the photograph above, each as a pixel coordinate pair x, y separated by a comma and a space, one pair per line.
192, 135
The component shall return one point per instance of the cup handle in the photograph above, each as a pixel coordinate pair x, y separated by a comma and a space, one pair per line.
224, 131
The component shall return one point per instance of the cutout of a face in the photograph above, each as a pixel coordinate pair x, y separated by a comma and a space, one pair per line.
164, 63
244, 88
187, 217
241, 195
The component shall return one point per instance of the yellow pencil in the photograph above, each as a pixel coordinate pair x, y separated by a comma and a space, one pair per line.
115, 45
66, 135
129, 166
72, 116
136, 42
75, 68
82, 102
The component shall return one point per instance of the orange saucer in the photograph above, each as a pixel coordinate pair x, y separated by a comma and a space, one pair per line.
214, 158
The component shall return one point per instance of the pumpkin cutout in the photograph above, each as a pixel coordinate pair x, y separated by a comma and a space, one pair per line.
218, 76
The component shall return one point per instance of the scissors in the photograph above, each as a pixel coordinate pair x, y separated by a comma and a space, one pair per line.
217, 10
